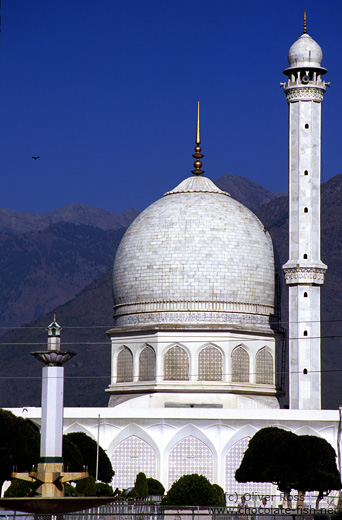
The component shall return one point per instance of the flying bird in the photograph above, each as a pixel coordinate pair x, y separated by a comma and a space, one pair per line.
35, 158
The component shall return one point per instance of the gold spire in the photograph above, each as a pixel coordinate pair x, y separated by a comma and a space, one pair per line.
304, 25
198, 132
197, 155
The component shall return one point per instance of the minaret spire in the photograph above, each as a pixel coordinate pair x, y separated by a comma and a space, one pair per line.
198, 155
304, 25
304, 271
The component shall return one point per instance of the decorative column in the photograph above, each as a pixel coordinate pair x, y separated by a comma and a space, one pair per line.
304, 271
51, 433
50, 474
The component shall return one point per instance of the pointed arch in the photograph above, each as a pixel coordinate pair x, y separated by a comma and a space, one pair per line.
307, 430
246, 431
77, 427
130, 430
210, 364
233, 460
186, 431
125, 366
176, 364
147, 364
131, 456
190, 455
240, 365
264, 367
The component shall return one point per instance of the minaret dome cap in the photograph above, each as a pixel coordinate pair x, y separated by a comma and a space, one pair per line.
305, 53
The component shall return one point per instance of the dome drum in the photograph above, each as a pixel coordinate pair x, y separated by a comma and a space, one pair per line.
193, 366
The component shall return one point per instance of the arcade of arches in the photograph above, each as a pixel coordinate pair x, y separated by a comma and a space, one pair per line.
176, 365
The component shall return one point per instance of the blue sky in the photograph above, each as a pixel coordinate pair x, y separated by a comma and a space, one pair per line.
105, 93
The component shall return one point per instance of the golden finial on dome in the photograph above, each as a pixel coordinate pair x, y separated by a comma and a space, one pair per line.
198, 155
304, 25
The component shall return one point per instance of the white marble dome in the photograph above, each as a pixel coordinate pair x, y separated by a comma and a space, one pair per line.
195, 257
305, 52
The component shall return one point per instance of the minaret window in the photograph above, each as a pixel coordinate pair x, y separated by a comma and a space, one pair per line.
176, 364
306, 125
305, 333
264, 367
306, 210
305, 295
210, 364
240, 365
125, 366
147, 364
305, 256
306, 172
305, 371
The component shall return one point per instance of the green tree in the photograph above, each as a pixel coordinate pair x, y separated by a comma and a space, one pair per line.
267, 459
69, 490
19, 445
104, 490
88, 449
155, 487
220, 495
316, 468
141, 485
86, 487
20, 488
72, 457
191, 490
300, 462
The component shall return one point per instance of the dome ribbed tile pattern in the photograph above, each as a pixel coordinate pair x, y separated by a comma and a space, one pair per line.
194, 257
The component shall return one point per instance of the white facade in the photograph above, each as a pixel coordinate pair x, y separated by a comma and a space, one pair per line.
165, 443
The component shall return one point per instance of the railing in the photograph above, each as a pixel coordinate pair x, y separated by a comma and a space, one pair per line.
148, 511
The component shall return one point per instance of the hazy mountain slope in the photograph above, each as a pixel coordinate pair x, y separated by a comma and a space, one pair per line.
85, 320
43, 269
15, 222
245, 191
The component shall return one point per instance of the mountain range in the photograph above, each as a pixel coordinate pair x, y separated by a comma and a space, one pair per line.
60, 261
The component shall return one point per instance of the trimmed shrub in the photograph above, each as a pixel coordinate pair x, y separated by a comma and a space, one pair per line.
155, 487
86, 487
191, 490
141, 486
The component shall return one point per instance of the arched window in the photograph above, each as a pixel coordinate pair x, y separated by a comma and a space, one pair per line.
264, 367
176, 364
210, 364
240, 365
147, 364
125, 366
190, 455
129, 458
233, 460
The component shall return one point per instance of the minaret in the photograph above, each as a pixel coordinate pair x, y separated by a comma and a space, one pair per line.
304, 271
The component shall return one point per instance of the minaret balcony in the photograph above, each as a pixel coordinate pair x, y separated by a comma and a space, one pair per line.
299, 274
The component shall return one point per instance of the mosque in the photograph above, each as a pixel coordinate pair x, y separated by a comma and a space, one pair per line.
197, 348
